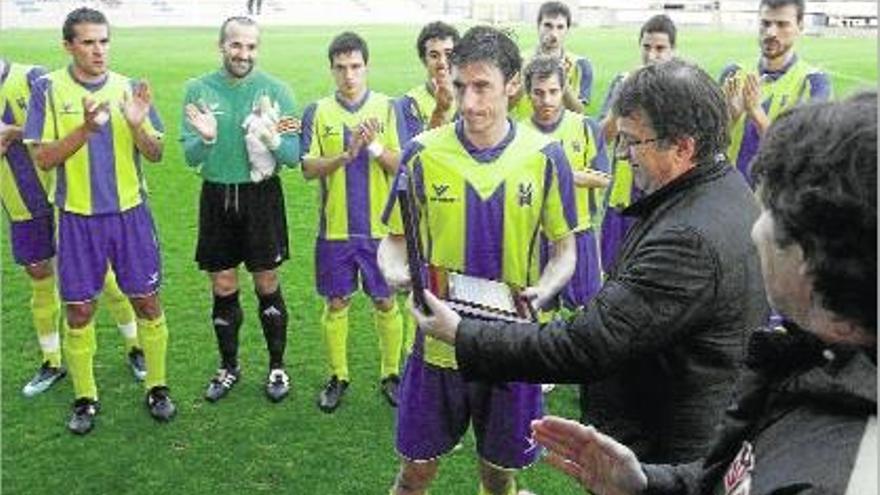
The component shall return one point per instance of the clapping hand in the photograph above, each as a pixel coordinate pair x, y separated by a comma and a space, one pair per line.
733, 94
136, 106
95, 114
751, 95
202, 120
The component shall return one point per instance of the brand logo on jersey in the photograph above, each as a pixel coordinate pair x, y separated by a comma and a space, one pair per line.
329, 131
738, 478
22, 103
440, 195
524, 194
576, 146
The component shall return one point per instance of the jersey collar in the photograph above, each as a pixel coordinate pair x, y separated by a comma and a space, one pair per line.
484, 155
95, 86
776, 74
352, 108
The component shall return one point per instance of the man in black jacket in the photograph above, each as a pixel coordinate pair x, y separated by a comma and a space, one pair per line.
806, 417
660, 346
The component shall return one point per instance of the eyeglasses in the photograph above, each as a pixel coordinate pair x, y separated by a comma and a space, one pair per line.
624, 146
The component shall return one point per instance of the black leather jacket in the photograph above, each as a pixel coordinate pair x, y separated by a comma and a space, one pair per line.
803, 408
660, 346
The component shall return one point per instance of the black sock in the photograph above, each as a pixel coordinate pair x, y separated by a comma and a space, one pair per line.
227, 317
273, 318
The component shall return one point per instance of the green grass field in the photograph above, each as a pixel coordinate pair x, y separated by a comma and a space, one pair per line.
244, 444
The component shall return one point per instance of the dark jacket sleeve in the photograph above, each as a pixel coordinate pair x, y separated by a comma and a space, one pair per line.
659, 296
665, 479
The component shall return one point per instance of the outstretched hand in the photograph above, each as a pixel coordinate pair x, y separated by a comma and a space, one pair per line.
599, 463
202, 120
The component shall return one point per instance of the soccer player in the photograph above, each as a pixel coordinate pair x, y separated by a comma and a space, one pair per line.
241, 211
431, 104
485, 186
554, 22
351, 146
756, 95
23, 193
93, 126
657, 39
584, 146
428, 105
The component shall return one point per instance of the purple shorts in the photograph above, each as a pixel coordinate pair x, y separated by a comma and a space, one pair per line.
127, 241
614, 228
338, 264
436, 406
32, 240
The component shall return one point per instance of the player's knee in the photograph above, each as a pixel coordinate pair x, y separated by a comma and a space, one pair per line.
79, 314
39, 270
496, 481
415, 477
224, 283
147, 307
336, 304
266, 282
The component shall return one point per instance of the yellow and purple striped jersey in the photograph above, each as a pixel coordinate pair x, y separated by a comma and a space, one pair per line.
415, 108
580, 78
353, 196
22, 185
584, 147
104, 175
481, 210
795, 83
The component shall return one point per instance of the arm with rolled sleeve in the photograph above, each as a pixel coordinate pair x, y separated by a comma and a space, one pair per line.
662, 289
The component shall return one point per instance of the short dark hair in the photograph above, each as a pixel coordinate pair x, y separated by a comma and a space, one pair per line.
817, 174
487, 44
775, 4
543, 67
660, 23
436, 30
348, 42
680, 100
238, 19
553, 9
82, 15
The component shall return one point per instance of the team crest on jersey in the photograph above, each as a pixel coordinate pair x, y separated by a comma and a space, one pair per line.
22, 103
576, 146
440, 194
524, 194
738, 478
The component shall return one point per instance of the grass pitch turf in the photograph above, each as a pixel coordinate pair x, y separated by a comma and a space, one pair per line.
244, 444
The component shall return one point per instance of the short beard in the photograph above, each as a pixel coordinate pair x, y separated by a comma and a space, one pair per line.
228, 66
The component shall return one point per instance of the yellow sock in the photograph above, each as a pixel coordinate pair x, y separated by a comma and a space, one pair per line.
44, 310
335, 326
409, 327
390, 329
79, 348
511, 489
154, 337
121, 310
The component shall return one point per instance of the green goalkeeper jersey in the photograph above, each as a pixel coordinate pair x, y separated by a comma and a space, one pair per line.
231, 100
